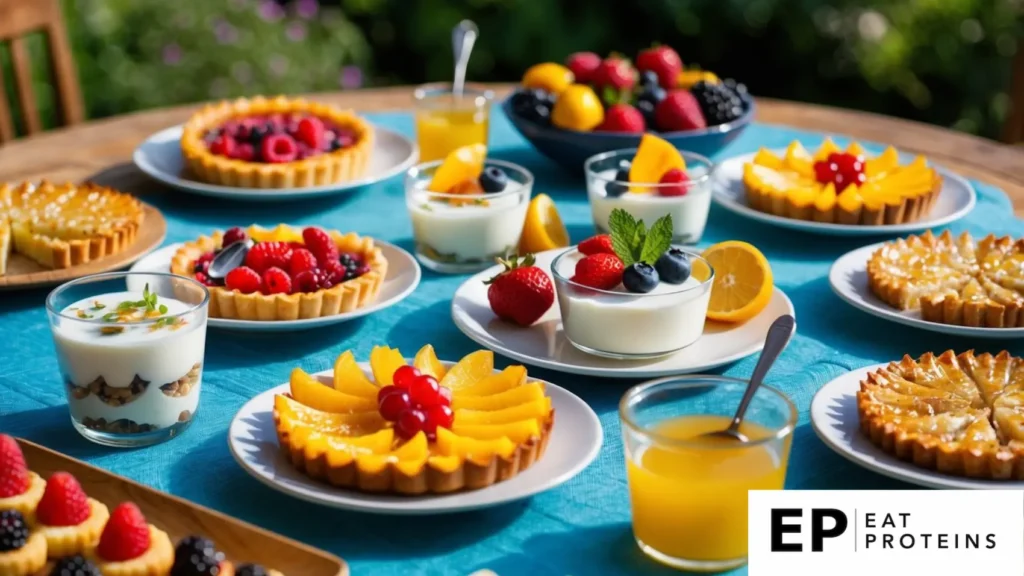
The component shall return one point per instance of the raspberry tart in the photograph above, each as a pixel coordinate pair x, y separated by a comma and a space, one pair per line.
22, 552
276, 143
129, 546
414, 429
288, 273
20, 488
70, 521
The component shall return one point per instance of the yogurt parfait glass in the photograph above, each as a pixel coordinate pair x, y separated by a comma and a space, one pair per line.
461, 233
688, 203
628, 326
446, 121
130, 347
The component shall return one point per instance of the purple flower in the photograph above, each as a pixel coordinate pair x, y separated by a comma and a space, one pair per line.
242, 72
225, 32
278, 65
271, 11
307, 8
296, 31
172, 54
351, 77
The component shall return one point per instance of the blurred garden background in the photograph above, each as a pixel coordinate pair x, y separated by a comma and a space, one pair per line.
946, 62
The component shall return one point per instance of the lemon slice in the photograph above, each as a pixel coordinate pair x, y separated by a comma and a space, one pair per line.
461, 164
743, 281
654, 157
543, 229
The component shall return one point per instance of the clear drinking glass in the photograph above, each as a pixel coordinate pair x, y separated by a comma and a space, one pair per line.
688, 493
130, 347
445, 121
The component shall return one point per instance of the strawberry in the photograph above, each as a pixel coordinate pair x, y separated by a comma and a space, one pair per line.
678, 180
600, 244
64, 502
521, 293
679, 111
615, 73
14, 478
664, 62
603, 271
622, 118
268, 254
583, 66
126, 535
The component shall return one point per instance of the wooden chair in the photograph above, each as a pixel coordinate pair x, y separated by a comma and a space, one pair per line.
1013, 133
19, 18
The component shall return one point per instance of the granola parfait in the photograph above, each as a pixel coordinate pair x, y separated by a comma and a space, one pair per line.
130, 348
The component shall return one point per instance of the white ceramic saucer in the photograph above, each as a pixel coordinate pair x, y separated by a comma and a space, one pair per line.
403, 277
849, 280
575, 441
955, 201
544, 344
160, 157
835, 420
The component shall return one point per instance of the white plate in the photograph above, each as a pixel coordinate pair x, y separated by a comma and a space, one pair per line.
835, 420
849, 280
403, 277
544, 344
956, 200
575, 441
160, 157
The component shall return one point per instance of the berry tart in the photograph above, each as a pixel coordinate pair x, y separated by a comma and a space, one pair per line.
276, 143
130, 546
70, 521
20, 488
198, 556
414, 429
22, 552
287, 273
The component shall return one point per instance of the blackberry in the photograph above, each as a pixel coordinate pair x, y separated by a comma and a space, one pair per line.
250, 570
533, 105
196, 556
13, 530
718, 102
353, 266
75, 566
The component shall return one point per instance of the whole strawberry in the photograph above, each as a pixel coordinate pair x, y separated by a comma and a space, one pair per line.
600, 244
664, 62
602, 271
14, 476
679, 111
622, 118
522, 292
583, 65
616, 74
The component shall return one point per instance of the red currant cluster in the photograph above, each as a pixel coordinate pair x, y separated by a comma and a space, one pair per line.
841, 169
415, 403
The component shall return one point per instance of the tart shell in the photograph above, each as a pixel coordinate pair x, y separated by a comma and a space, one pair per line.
26, 502
27, 560
70, 540
156, 561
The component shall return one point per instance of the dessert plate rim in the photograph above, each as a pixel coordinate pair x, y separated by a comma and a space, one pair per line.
577, 428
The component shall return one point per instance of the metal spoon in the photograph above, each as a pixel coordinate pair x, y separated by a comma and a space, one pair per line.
779, 334
228, 259
463, 37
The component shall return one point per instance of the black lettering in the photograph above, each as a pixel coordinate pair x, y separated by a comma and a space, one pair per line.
943, 541
779, 528
973, 540
905, 516
991, 539
888, 522
886, 540
818, 531
869, 539
925, 537
869, 520
903, 541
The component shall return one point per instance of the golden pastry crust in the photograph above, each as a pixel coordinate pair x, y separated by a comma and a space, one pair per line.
70, 540
26, 560
339, 299
341, 165
156, 561
26, 503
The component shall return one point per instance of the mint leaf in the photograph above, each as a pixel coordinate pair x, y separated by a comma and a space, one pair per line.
624, 240
658, 240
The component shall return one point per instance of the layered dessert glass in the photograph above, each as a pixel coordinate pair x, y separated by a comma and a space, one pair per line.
446, 121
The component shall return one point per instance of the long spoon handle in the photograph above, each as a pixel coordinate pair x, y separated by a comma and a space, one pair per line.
463, 37
779, 335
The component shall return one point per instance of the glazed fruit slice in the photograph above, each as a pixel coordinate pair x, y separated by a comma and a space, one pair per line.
471, 369
350, 379
495, 383
654, 157
291, 413
533, 409
427, 363
475, 450
309, 391
518, 431
384, 361
461, 164
743, 281
510, 397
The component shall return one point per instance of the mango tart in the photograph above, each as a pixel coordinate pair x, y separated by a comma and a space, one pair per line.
958, 414
327, 164
841, 186
953, 280
340, 298
64, 225
499, 424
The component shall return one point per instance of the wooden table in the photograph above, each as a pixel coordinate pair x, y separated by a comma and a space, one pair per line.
104, 147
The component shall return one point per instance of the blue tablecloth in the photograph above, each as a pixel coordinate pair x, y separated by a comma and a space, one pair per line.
581, 528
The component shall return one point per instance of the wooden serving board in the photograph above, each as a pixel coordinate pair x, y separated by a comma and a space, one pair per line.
240, 542
24, 273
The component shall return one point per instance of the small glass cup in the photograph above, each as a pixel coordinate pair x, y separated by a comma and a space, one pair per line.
445, 121
461, 233
130, 346
689, 211
689, 493
630, 326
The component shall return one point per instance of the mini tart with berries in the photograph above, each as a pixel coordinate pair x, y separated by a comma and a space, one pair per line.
70, 521
300, 296
276, 143
841, 187
20, 488
129, 546
22, 553
229, 569
414, 429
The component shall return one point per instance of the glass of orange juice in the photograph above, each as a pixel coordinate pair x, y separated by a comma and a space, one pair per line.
689, 493
446, 121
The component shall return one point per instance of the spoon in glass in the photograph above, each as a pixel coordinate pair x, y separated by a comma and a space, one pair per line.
463, 37
779, 334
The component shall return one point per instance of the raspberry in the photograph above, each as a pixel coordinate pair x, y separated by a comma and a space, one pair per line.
674, 182
223, 145
203, 279
302, 259
267, 254
307, 281
244, 279
126, 534
233, 235
310, 132
14, 478
320, 244
277, 148
245, 152
276, 281
64, 502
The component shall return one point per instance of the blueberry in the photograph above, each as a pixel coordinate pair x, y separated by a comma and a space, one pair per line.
648, 78
533, 105
653, 94
620, 185
493, 179
646, 109
640, 277
674, 266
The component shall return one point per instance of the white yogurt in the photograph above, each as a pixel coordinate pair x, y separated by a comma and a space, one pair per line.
689, 212
99, 369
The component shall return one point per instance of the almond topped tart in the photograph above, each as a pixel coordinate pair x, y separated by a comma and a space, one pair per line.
953, 280
841, 186
414, 429
287, 273
276, 143
958, 414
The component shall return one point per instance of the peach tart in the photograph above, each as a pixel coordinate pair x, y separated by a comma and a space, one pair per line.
276, 143
840, 186
414, 428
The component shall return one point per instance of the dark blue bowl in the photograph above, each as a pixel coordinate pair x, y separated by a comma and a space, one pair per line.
570, 148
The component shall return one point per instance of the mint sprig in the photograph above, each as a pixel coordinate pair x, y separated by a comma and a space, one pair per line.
633, 242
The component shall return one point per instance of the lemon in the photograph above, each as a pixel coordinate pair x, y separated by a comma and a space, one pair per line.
578, 108
543, 229
743, 281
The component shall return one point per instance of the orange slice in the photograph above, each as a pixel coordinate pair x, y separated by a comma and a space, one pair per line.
350, 378
654, 157
471, 369
543, 229
743, 281
383, 362
311, 392
496, 383
465, 163
427, 363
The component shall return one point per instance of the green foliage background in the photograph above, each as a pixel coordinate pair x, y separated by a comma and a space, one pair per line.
942, 61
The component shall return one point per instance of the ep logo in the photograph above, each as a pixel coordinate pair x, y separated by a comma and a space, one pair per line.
823, 523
